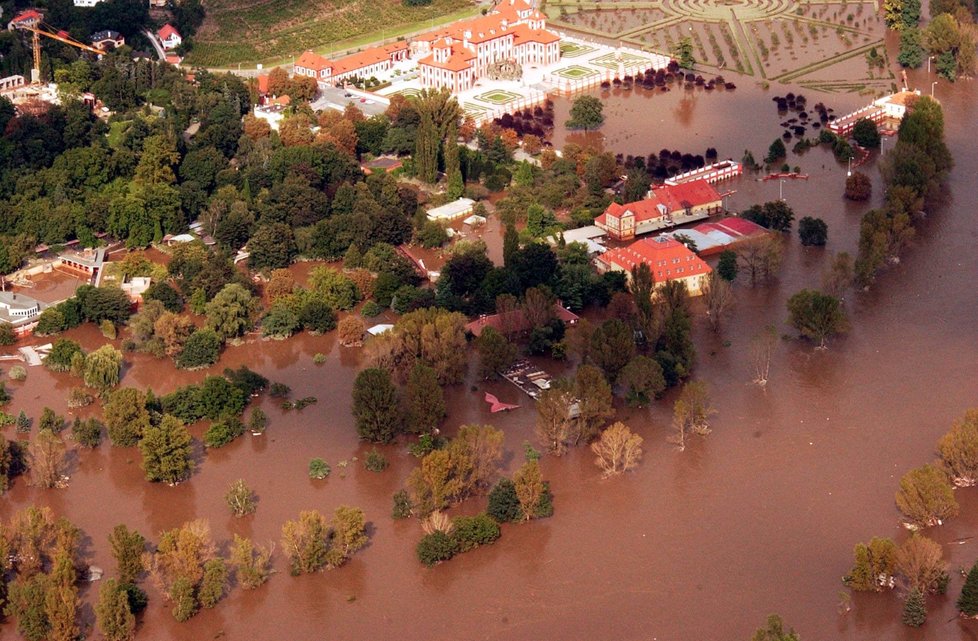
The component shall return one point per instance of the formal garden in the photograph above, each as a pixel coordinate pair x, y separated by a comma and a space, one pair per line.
826, 46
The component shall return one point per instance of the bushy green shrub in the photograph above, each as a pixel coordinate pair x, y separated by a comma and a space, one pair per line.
504, 506
87, 432
371, 309
374, 461
402, 505
318, 469
435, 548
470, 532
222, 432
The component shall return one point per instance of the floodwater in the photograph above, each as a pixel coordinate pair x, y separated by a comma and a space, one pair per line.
758, 517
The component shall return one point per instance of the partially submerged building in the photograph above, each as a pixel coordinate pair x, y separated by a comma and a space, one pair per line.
665, 206
452, 211
714, 237
668, 260
19, 311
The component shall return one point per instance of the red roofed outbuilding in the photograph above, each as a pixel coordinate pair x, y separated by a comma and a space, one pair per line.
668, 259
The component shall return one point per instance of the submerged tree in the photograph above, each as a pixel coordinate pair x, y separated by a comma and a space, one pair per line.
594, 402
167, 451
376, 407
968, 600
925, 496
425, 400
617, 451
554, 426
959, 450
252, 562
115, 620
718, 295
774, 631
240, 498
761, 349
915, 609
46, 456
691, 413
816, 315
920, 561
587, 112
874, 566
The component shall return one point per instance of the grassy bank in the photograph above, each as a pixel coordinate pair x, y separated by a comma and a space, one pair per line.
272, 31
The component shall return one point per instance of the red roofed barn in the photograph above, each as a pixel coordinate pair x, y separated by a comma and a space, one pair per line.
668, 259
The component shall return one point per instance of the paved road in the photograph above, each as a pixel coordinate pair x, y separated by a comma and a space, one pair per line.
156, 44
333, 98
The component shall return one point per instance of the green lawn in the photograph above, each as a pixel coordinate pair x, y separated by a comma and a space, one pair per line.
498, 97
574, 72
573, 50
272, 31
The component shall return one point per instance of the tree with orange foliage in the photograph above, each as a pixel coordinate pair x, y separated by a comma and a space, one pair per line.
344, 135
397, 103
303, 88
278, 82
296, 131
353, 114
532, 144
467, 129
256, 128
510, 139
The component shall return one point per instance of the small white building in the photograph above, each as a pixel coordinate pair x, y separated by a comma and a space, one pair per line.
452, 211
169, 37
86, 3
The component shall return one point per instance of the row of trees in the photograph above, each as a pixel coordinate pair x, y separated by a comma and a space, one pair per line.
913, 173
926, 499
949, 38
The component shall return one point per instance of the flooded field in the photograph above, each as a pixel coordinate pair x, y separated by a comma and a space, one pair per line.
759, 517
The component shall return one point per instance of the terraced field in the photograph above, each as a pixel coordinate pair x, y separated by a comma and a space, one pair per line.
824, 44
248, 31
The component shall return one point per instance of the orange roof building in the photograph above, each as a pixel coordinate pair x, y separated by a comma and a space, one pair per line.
668, 259
665, 206
363, 64
456, 57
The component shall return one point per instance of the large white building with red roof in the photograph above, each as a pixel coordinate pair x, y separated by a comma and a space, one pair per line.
363, 64
668, 260
665, 206
456, 57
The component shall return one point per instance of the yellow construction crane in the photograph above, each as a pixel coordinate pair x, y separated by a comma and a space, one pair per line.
47, 31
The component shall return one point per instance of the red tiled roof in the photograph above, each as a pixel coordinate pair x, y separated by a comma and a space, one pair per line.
667, 258
736, 227
166, 31
30, 14
263, 83
522, 33
367, 57
314, 61
459, 58
696, 193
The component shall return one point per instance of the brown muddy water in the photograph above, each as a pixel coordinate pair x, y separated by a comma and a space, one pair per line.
759, 517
